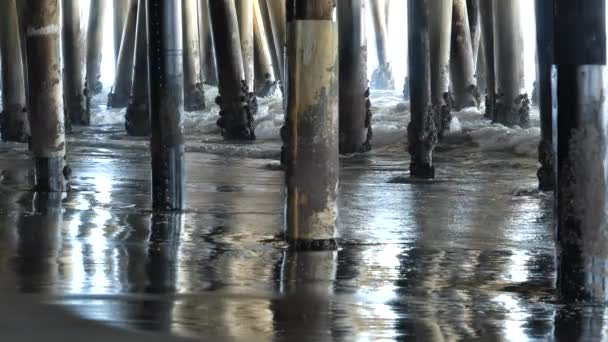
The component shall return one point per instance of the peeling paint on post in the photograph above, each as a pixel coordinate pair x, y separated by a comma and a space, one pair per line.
311, 134
194, 96
264, 70
46, 95
462, 65
245, 18
382, 77
237, 104
355, 107
208, 65
137, 117
440, 35
73, 52
486, 10
119, 96
582, 150
95, 30
421, 132
545, 46
166, 103
14, 123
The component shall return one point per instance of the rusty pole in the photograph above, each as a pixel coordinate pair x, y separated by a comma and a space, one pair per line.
120, 9
382, 77
164, 27
46, 95
194, 96
264, 70
119, 96
355, 107
73, 52
237, 104
486, 12
137, 117
440, 34
462, 65
14, 123
311, 137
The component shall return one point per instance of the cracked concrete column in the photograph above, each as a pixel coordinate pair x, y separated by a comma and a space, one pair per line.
194, 96
14, 123
137, 117
73, 52
382, 77
46, 95
121, 91
311, 128
462, 65
440, 35
486, 10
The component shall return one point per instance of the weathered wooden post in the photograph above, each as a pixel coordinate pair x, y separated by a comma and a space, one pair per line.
382, 77
208, 65
355, 107
73, 52
237, 103
97, 15
119, 96
14, 123
137, 117
582, 140
422, 133
311, 134
120, 9
245, 18
512, 104
46, 95
277, 15
194, 96
264, 70
486, 10
474, 27
166, 86
462, 65
545, 47
440, 32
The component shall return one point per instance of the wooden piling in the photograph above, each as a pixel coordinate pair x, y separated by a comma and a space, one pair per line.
440, 32
462, 65
382, 77
119, 96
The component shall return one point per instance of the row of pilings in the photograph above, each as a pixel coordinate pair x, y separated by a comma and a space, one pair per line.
322, 65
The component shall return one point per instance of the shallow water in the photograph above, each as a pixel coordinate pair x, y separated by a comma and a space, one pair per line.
468, 256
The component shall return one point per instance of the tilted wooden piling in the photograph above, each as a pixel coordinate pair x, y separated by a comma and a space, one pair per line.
14, 124
237, 103
311, 129
422, 133
46, 95
440, 35
486, 11
73, 53
382, 78
119, 96
120, 9
264, 70
166, 103
94, 42
245, 18
194, 96
355, 107
462, 65
474, 27
208, 65
277, 15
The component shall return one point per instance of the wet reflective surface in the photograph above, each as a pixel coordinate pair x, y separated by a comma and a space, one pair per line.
469, 256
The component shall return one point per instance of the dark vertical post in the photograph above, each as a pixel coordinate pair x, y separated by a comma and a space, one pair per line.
237, 104
582, 150
194, 97
120, 9
137, 117
422, 133
440, 32
208, 65
382, 77
97, 14
166, 103
355, 107
264, 71
119, 96
545, 46
486, 10
311, 136
14, 124
46, 95
73, 52
462, 65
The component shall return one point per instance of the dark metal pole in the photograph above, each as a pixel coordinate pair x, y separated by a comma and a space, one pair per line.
237, 103
194, 97
311, 137
137, 117
486, 10
582, 150
73, 52
46, 95
422, 133
166, 103
119, 96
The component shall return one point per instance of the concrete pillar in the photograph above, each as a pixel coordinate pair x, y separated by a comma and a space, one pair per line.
382, 77
166, 86
245, 17
278, 19
474, 27
440, 35
237, 104
137, 117
582, 140
545, 46
14, 123
462, 65
46, 95
119, 96
512, 104
311, 129
194, 97
355, 107
264, 70
208, 65
73, 52
97, 13
486, 12
120, 9
422, 133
